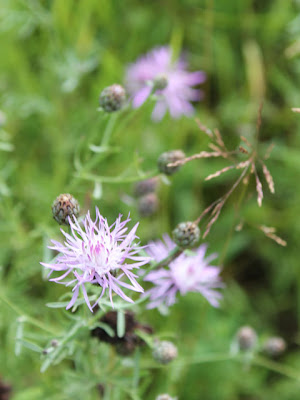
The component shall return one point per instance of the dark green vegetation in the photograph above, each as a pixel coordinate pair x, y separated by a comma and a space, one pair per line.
56, 57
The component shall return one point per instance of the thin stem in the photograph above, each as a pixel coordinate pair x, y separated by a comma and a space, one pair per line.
104, 143
276, 367
219, 357
114, 179
223, 198
170, 257
26, 318
230, 234
108, 130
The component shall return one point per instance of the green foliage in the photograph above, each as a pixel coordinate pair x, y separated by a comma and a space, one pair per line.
56, 57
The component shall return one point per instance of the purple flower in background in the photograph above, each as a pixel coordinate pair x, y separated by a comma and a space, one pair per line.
186, 273
96, 253
169, 80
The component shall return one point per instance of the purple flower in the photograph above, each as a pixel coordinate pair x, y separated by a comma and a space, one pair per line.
96, 254
186, 273
175, 92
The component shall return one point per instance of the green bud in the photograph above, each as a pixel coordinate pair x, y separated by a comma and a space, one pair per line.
186, 234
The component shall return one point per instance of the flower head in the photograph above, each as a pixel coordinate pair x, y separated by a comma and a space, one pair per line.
187, 273
145, 76
96, 253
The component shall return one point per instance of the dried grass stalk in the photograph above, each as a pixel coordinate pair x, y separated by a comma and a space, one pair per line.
219, 138
218, 173
246, 141
259, 190
216, 212
204, 128
269, 178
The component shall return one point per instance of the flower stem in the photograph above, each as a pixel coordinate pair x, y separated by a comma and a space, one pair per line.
170, 257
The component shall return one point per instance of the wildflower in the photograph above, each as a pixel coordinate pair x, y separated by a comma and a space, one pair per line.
157, 73
186, 273
96, 254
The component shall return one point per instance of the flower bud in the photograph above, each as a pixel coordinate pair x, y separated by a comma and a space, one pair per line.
274, 346
64, 206
186, 234
160, 82
165, 397
170, 157
112, 98
148, 205
246, 338
146, 186
164, 352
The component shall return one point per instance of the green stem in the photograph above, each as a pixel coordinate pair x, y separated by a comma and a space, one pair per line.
219, 357
108, 130
114, 179
170, 257
276, 367
104, 143
26, 318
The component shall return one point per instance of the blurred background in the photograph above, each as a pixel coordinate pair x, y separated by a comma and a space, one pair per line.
56, 57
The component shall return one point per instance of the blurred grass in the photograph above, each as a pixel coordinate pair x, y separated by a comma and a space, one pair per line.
56, 57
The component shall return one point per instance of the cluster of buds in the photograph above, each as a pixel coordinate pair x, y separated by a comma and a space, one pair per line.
164, 351
126, 344
246, 338
145, 191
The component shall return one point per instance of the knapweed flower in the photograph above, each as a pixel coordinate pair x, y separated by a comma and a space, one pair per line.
190, 272
146, 75
96, 254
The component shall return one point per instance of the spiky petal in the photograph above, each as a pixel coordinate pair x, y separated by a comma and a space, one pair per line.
96, 253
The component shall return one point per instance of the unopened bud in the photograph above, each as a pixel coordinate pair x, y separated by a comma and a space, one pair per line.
186, 234
164, 352
247, 338
148, 205
64, 206
160, 82
165, 397
146, 186
274, 346
170, 157
112, 98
